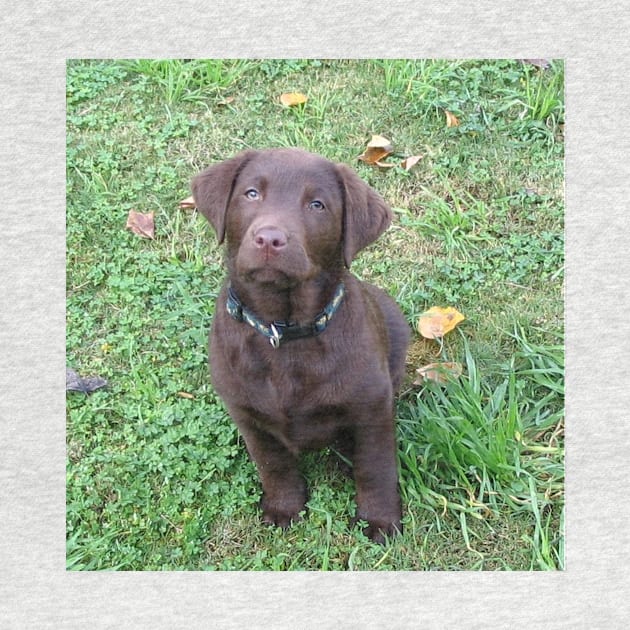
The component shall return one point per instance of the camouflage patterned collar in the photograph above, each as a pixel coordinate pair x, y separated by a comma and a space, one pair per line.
278, 332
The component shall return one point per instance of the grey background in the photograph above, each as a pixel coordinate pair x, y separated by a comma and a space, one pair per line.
36, 39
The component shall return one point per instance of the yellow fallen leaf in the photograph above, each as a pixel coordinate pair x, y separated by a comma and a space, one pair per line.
436, 322
290, 99
438, 373
451, 119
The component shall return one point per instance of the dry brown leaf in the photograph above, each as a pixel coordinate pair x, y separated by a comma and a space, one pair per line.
451, 119
141, 223
290, 99
188, 203
436, 322
410, 162
373, 155
377, 149
539, 63
438, 373
185, 395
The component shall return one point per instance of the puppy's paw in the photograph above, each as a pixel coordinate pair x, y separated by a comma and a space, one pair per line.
378, 529
377, 532
281, 513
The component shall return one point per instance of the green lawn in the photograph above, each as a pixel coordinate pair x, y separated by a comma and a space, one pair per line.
157, 476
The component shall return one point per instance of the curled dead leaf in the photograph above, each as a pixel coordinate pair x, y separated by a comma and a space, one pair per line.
141, 223
436, 322
188, 203
373, 156
291, 99
377, 149
438, 373
410, 162
185, 395
451, 119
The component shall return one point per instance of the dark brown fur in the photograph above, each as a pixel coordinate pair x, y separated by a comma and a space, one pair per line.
285, 257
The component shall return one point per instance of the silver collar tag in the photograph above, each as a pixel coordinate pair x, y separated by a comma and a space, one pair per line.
275, 339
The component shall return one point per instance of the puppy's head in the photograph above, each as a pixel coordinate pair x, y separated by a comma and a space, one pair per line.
288, 212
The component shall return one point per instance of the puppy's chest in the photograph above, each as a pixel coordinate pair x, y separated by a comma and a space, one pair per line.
296, 397
289, 383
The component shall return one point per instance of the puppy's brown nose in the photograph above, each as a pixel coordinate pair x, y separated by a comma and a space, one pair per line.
270, 238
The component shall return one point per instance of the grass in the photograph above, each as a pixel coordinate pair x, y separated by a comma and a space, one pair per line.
157, 476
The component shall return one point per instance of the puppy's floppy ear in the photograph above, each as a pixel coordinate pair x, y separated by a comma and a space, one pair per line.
365, 216
212, 190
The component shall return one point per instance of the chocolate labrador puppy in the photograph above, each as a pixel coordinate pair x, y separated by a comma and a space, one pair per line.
303, 353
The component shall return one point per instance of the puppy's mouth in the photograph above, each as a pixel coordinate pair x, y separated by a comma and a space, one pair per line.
283, 270
269, 275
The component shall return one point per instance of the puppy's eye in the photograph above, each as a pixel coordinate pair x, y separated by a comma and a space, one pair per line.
316, 205
252, 193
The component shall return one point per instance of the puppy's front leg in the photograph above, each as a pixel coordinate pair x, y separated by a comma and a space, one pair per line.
284, 489
376, 476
